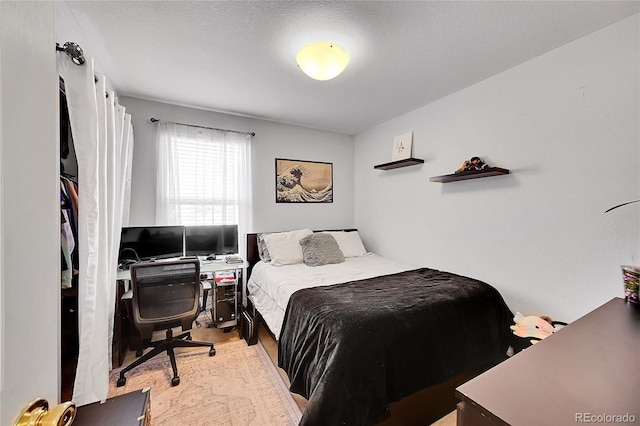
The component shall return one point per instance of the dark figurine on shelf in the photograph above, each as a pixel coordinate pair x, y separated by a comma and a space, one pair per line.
475, 163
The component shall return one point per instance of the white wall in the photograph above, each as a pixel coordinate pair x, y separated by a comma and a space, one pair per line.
567, 126
30, 228
272, 140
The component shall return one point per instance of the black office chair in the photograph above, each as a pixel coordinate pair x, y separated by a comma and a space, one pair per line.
165, 295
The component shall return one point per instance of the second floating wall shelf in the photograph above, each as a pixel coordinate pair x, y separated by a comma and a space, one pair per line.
471, 174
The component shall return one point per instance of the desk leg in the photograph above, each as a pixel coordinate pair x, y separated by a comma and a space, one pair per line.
244, 287
205, 296
120, 340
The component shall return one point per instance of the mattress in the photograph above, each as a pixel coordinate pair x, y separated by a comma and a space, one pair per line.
271, 287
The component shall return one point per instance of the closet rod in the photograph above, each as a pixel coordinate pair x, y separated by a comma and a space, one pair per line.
73, 50
155, 120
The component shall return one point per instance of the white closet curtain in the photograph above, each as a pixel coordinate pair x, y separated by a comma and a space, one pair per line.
203, 177
103, 142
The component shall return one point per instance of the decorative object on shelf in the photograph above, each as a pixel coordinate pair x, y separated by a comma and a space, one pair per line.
322, 60
474, 163
401, 155
400, 163
402, 146
631, 277
303, 181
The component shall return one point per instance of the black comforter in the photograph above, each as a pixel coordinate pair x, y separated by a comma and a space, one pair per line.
352, 348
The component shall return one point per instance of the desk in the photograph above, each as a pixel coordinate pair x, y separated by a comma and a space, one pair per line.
588, 368
123, 330
206, 267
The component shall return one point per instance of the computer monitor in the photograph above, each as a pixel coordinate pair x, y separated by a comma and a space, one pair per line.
151, 242
230, 241
211, 240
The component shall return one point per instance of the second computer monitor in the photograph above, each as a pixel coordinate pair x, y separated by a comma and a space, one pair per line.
211, 240
150, 242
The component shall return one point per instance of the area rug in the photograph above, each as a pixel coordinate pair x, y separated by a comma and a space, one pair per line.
236, 387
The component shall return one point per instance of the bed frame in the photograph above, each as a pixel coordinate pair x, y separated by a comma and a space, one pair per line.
253, 256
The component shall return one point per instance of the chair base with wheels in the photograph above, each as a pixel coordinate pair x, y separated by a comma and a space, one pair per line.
181, 341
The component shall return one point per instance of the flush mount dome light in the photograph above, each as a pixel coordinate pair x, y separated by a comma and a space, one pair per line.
322, 60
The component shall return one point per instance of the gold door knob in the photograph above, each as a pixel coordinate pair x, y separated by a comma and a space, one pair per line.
37, 413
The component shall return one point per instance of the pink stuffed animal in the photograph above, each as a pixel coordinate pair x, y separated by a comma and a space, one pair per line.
536, 328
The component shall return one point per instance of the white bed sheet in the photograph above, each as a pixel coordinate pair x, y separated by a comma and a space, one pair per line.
271, 286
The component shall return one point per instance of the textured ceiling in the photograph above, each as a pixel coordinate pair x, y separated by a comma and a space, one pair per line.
239, 56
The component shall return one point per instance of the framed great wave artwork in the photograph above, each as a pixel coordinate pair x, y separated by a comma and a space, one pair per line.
303, 181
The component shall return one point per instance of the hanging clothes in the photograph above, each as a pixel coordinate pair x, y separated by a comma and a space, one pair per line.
68, 231
72, 191
67, 242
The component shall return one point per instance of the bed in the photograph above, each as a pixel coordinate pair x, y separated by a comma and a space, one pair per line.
357, 335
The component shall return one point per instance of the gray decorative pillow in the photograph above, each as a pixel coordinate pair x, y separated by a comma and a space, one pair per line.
263, 252
320, 249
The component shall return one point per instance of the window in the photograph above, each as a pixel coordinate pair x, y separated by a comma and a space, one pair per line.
203, 176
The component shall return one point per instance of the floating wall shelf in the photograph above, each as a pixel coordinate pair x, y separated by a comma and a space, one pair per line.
400, 163
471, 174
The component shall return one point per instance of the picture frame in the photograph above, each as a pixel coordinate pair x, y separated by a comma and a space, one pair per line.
402, 146
301, 181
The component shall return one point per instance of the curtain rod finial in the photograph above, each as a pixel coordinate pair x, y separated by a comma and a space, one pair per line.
73, 50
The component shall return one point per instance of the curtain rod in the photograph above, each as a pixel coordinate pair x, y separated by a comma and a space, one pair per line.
155, 120
73, 50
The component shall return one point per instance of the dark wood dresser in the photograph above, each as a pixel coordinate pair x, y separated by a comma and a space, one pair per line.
587, 372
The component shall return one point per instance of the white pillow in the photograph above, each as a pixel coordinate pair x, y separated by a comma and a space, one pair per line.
284, 247
350, 243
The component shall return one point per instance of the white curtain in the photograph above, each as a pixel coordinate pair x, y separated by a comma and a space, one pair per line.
203, 177
103, 142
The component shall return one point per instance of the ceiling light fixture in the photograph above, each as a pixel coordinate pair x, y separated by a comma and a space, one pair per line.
322, 60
